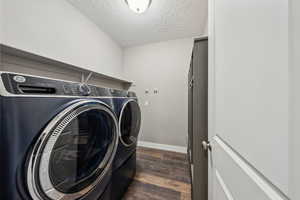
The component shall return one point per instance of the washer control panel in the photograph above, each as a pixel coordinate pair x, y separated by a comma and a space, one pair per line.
31, 85
84, 89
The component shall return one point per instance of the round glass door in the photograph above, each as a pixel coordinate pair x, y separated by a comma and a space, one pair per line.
129, 123
74, 153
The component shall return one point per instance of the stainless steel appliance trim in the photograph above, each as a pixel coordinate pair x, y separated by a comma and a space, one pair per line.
120, 122
47, 140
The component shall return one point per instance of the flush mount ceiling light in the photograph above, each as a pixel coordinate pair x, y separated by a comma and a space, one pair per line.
138, 6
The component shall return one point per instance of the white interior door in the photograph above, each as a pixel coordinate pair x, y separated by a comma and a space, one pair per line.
249, 98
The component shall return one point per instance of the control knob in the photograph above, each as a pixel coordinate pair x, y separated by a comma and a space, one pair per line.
84, 89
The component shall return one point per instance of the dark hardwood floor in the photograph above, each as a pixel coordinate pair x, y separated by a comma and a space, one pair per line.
161, 175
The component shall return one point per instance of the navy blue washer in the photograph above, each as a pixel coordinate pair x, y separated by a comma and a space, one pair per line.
129, 119
124, 165
50, 124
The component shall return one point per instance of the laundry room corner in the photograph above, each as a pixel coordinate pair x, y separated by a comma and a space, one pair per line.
149, 100
159, 71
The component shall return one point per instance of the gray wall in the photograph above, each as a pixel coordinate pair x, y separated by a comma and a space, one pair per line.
163, 66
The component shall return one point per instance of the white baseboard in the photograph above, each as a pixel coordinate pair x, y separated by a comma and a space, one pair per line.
165, 147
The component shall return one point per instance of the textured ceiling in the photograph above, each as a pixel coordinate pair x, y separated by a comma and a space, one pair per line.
165, 19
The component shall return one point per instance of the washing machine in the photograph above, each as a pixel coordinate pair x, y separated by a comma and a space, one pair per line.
124, 164
58, 139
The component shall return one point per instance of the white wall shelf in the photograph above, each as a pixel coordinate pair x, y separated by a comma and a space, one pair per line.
11, 51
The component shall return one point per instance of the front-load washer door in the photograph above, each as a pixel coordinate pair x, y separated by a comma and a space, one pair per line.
129, 122
73, 153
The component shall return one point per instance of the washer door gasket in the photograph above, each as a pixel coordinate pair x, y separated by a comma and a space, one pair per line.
129, 123
74, 152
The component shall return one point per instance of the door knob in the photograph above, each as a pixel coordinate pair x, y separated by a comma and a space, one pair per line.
206, 146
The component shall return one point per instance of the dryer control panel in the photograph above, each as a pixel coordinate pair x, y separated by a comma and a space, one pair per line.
32, 85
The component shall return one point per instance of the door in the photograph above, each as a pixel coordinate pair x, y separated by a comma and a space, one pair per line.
199, 118
73, 153
190, 120
130, 123
249, 100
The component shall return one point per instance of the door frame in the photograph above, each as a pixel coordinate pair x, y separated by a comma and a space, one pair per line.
211, 92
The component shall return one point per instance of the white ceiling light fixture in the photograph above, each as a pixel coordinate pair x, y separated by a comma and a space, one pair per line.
139, 6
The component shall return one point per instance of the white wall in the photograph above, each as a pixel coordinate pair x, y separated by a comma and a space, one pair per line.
54, 29
294, 186
163, 66
1, 21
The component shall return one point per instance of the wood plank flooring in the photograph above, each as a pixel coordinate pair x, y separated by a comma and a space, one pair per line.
161, 175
